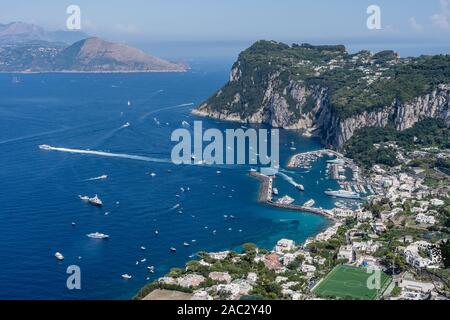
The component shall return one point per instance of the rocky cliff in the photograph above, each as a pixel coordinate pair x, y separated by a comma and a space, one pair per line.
309, 98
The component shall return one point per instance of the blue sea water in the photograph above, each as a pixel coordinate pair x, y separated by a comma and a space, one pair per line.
39, 189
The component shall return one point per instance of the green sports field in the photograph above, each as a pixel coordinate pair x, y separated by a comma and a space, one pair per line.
349, 282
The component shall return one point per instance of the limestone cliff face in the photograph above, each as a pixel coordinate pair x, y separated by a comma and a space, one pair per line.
435, 104
298, 106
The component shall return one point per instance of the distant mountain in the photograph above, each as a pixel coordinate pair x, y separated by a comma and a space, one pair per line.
20, 33
97, 55
29, 48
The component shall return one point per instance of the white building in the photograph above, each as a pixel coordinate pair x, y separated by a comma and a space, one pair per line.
436, 202
284, 245
346, 253
219, 255
424, 219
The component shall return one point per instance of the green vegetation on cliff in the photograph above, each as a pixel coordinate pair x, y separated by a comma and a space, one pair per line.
354, 82
370, 146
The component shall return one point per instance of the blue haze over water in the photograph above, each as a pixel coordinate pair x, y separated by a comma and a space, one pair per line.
39, 192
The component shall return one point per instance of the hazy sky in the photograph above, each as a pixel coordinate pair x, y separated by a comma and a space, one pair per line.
218, 20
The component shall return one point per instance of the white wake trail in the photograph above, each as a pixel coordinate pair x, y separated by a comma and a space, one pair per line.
106, 154
164, 109
287, 178
103, 177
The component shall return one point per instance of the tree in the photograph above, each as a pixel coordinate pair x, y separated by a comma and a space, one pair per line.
249, 248
445, 249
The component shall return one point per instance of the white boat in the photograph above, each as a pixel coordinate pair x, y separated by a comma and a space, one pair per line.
59, 256
286, 200
143, 248
98, 235
156, 232
126, 276
129, 103
309, 203
343, 194
172, 249
151, 269
96, 201
186, 244
143, 260
126, 125
275, 191
300, 187
45, 147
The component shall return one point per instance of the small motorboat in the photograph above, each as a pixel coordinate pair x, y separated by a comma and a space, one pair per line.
172, 249
151, 269
98, 235
45, 147
126, 276
186, 244
143, 248
59, 256
96, 201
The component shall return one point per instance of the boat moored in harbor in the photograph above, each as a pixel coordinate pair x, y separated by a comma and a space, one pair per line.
309, 203
343, 194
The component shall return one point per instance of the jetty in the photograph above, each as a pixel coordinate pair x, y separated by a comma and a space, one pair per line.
266, 192
266, 187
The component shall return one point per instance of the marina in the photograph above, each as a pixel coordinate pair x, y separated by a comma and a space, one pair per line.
265, 196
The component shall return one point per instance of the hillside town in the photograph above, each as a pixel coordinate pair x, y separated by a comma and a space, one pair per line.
401, 230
